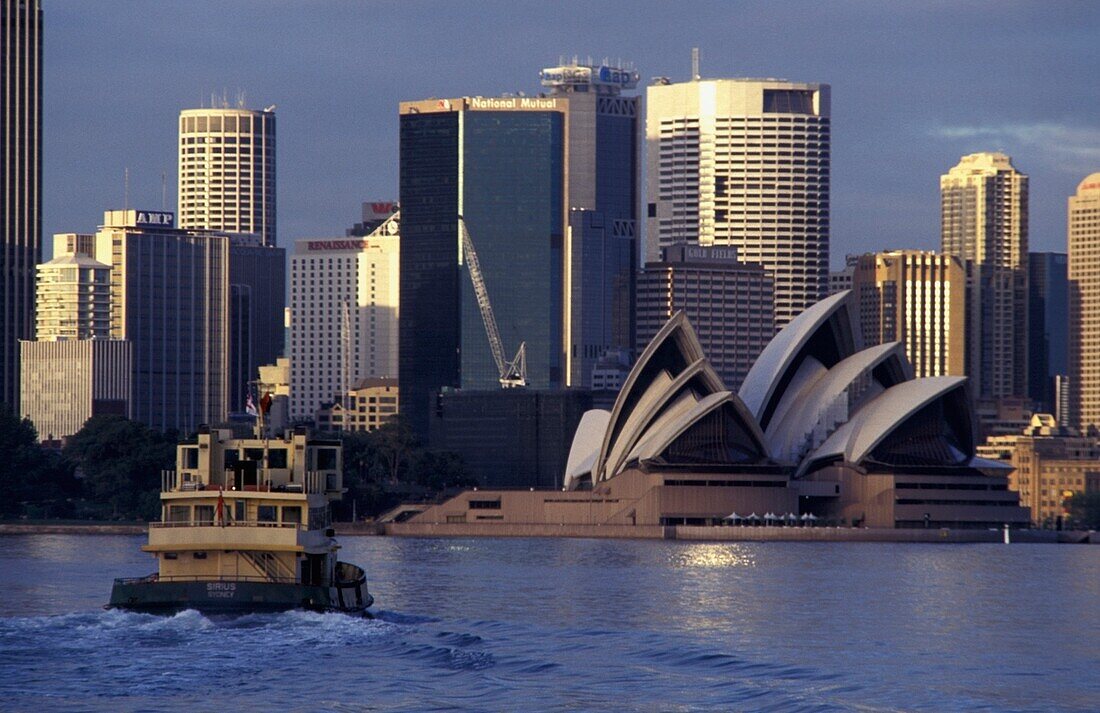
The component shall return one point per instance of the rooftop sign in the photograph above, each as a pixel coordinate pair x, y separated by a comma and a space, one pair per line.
581, 74
154, 218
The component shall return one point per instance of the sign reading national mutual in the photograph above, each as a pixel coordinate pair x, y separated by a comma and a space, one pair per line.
160, 218
513, 103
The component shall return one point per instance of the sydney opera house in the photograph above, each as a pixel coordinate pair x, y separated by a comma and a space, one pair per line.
820, 427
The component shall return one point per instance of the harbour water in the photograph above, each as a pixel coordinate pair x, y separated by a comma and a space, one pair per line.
559, 624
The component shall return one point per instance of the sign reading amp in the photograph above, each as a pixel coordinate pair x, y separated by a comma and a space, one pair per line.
147, 217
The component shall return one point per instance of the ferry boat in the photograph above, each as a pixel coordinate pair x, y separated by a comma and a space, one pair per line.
246, 527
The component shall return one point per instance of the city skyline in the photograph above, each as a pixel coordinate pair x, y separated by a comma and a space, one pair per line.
911, 88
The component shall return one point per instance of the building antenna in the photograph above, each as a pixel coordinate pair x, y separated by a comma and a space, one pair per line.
164, 190
695, 64
126, 188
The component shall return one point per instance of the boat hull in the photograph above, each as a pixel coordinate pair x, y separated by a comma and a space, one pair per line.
230, 597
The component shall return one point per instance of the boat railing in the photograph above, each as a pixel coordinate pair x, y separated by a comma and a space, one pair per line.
269, 480
203, 578
227, 523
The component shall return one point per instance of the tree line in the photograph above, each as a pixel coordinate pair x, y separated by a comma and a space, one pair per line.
110, 470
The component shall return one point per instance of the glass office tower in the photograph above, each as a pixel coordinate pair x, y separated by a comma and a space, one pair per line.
548, 189
502, 171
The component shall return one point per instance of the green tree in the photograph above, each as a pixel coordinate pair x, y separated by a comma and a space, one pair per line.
1084, 510
394, 441
121, 461
33, 480
439, 470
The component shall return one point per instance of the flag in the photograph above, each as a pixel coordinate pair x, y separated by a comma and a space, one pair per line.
221, 508
249, 407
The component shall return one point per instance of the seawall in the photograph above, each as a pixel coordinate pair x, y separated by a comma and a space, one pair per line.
70, 529
728, 534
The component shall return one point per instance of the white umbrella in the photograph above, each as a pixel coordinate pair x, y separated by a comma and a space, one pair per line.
732, 516
754, 516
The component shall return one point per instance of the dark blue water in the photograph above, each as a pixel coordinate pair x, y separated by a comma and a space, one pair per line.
577, 625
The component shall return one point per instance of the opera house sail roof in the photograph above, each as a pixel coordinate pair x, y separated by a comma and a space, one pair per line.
813, 401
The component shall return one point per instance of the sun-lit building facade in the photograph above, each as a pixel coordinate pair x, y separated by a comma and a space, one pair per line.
744, 162
227, 171
1084, 303
984, 223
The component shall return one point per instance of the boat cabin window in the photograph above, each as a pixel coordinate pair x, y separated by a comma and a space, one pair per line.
179, 513
256, 454
265, 513
190, 458
231, 457
238, 510
276, 458
292, 514
204, 514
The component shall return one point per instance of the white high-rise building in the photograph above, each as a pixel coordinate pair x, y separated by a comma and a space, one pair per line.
984, 224
344, 295
227, 171
74, 292
744, 162
1084, 305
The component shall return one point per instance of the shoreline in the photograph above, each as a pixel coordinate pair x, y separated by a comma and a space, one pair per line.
697, 533
688, 533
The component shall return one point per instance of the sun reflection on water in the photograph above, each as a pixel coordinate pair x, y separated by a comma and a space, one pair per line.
709, 554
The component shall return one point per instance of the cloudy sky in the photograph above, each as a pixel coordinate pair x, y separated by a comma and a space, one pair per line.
914, 86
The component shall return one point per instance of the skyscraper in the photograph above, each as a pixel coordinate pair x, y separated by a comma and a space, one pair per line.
546, 188
21, 206
601, 194
984, 224
257, 294
344, 315
227, 171
227, 184
917, 298
1048, 329
744, 162
729, 303
1084, 303
170, 298
73, 292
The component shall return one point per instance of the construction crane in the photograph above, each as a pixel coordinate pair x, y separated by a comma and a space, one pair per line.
512, 373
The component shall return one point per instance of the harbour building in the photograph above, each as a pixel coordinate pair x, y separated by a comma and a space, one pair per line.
1050, 464
1048, 333
744, 162
366, 407
21, 184
729, 303
344, 299
547, 191
170, 298
74, 369
917, 298
984, 209
227, 171
1084, 304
